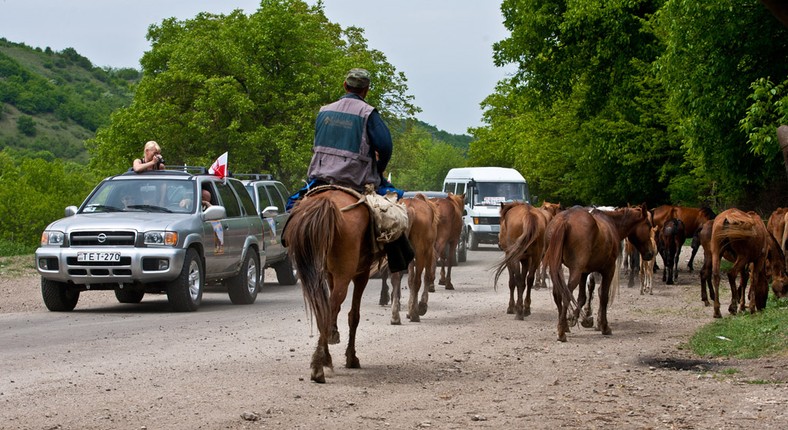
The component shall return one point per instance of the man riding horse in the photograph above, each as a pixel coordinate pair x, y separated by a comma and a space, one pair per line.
352, 148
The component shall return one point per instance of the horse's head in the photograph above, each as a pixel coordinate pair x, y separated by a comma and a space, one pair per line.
641, 234
775, 261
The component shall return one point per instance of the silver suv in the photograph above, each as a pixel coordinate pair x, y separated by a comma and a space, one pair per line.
153, 233
270, 198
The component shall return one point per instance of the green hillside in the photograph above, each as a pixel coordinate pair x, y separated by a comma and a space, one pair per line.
51, 102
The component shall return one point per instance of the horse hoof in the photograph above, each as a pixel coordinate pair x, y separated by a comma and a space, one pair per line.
510, 311
431, 288
519, 317
587, 323
422, 308
333, 338
441, 282
319, 378
449, 286
526, 312
415, 318
706, 303
607, 332
562, 338
396, 322
353, 363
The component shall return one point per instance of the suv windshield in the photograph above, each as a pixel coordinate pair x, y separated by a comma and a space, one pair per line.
144, 194
494, 193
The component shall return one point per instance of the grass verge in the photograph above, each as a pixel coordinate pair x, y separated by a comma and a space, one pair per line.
745, 335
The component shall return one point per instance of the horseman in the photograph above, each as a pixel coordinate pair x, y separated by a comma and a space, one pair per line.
352, 148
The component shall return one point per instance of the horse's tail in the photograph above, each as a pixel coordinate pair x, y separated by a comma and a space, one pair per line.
554, 255
526, 239
310, 232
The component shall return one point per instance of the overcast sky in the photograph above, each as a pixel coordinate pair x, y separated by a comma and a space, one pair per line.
444, 47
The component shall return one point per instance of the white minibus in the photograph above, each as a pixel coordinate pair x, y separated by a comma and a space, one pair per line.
485, 188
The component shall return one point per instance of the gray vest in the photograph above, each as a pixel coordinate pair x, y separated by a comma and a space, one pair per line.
342, 154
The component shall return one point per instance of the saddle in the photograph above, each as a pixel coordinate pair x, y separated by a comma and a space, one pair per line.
389, 220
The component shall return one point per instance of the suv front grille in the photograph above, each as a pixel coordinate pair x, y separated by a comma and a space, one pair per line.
102, 238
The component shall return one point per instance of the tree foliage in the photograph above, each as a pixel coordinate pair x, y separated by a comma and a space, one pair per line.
35, 192
249, 85
623, 101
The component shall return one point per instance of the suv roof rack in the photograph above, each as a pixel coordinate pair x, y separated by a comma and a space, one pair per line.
254, 176
192, 170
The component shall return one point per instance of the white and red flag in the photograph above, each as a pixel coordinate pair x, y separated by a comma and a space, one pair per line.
219, 167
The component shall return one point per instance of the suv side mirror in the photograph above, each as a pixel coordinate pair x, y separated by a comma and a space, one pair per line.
214, 213
270, 211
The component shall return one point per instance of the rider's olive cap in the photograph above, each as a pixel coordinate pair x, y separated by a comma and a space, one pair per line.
357, 78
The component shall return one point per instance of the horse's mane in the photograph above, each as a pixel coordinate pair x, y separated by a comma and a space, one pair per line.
708, 212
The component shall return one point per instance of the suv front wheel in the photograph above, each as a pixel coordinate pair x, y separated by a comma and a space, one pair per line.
58, 297
243, 287
185, 292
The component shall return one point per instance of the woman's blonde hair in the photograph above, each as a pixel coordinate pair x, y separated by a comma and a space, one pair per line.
151, 144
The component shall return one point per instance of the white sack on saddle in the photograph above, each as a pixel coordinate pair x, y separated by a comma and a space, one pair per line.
391, 218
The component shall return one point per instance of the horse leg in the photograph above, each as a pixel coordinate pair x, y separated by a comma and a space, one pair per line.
338, 293
715, 280
450, 259
736, 292
588, 312
704, 283
354, 316
745, 277
425, 295
396, 297
520, 284
414, 284
512, 287
581, 300
433, 265
694, 246
319, 359
604, 297
384, 287
529, 283
676, 263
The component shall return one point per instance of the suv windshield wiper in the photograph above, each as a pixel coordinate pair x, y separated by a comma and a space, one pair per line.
150, 208
103, 208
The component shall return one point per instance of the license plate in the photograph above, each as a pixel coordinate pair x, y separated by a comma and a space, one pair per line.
98, 256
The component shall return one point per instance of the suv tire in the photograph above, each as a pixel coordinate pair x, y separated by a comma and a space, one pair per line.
58, 296
128, 295
244, 286
285, 273
185, 292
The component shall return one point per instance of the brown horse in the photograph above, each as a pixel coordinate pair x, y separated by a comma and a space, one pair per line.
422, 230
646, 272
331, 247
671, 238
745, 235
449, 229
692, 218
706, 287
587, 243
776, 224
549, 210
521, 237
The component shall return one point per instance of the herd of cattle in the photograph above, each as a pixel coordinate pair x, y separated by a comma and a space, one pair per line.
540, 243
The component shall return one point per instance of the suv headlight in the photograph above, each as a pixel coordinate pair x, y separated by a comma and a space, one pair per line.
52, 238
168, 238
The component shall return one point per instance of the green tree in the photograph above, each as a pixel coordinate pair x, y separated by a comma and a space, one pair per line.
26, 125
576, 117
714, 51
248, 85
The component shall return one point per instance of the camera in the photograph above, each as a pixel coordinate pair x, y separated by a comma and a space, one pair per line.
159, 161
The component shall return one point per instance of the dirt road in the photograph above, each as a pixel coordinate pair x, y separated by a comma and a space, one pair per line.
467, 364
